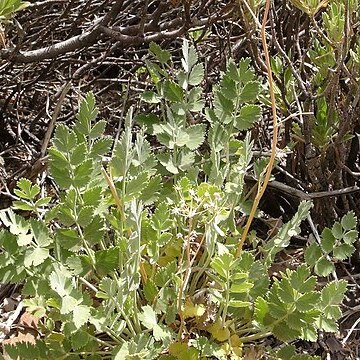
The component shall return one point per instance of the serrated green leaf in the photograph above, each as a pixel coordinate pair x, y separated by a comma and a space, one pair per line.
190, 57
150, 97
223, 107
152, 191
60, 283
166, 160
308, 301
79, 264
68, 303
261, 310
229, 88
337, 230
196, 136
241, 287
150, 290
328, 325
26, 350
85, 215
250, 92
136, 185
148, 317
327, 240
82, 174
286, 292
173, 92
80, 339
95, 230
81, 315
222, 264
107, 260
78, 154
286, 352
67, 238
284, 332
196, 75
41, 233
42, 201
350, 236
187, 159
162, 332
87, 113
163, 56
324, 267
101, 146
59, 168
26, 190
97, 130
349, 221
65, 139
301, 279
194, 100
249, 114
343, 251
246, 74
312, 254
22, 205
160, 221
35, 256
92, 196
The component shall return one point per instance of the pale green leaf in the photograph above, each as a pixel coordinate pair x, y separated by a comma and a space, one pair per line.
65, 139
350, 236
148, 317
239, 303
67, 238
312, 254
163, 56
81, 315
187, 159
80, 339
327, 240
196, 75
42, 201
22, 205
41, 233
250, 92
337, 230
82, 174
101, 146
323, 267
136, 185
97, 130
166, 160
349, 221
150, 97
85, 215
249, 114
190, 57
78, 154
343, 251
68, 303
36, 256
196, 136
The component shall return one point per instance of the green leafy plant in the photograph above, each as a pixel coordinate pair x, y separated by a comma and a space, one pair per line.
336, 242
136, 257
9, 7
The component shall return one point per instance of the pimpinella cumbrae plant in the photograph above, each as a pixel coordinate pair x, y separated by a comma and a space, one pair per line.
135, 258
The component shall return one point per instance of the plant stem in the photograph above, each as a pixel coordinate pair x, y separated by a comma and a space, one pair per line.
262, 187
